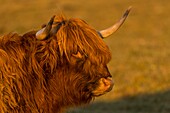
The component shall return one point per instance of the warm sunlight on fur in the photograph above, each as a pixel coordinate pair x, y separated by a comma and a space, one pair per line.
67, 68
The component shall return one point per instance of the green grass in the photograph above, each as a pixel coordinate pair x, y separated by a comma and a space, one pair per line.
140, 62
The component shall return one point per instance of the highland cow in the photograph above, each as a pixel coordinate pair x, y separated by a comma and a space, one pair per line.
62, 65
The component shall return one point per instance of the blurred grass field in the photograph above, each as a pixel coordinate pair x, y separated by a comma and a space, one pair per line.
140, 49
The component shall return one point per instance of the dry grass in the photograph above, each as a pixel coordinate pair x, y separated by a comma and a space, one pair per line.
140, 49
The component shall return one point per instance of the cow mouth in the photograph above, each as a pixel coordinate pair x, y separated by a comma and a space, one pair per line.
104, 85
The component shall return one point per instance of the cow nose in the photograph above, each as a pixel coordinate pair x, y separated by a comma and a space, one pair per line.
104, 85
108, 82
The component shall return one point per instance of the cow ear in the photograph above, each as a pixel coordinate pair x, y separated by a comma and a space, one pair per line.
78, 55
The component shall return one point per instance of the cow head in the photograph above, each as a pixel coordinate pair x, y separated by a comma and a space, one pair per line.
81, 56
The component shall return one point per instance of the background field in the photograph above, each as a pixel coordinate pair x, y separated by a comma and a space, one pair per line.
140, 49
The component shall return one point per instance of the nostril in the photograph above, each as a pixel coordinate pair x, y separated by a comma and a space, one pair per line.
107, 81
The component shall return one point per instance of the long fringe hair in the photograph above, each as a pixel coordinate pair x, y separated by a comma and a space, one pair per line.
33, 73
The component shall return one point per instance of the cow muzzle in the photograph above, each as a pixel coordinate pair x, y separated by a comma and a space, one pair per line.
104, 85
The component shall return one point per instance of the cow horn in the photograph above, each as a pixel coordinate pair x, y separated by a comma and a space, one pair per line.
44, 32
107, 32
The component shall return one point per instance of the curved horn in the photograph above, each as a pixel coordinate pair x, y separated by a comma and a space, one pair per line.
43, 33
107, 32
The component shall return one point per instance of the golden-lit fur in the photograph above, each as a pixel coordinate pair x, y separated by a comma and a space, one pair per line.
50, 75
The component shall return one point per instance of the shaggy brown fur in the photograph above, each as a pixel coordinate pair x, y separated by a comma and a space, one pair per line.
50, 75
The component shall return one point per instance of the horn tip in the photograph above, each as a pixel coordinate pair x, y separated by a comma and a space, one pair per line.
53, 17
127, 11
52, 20
129, 8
